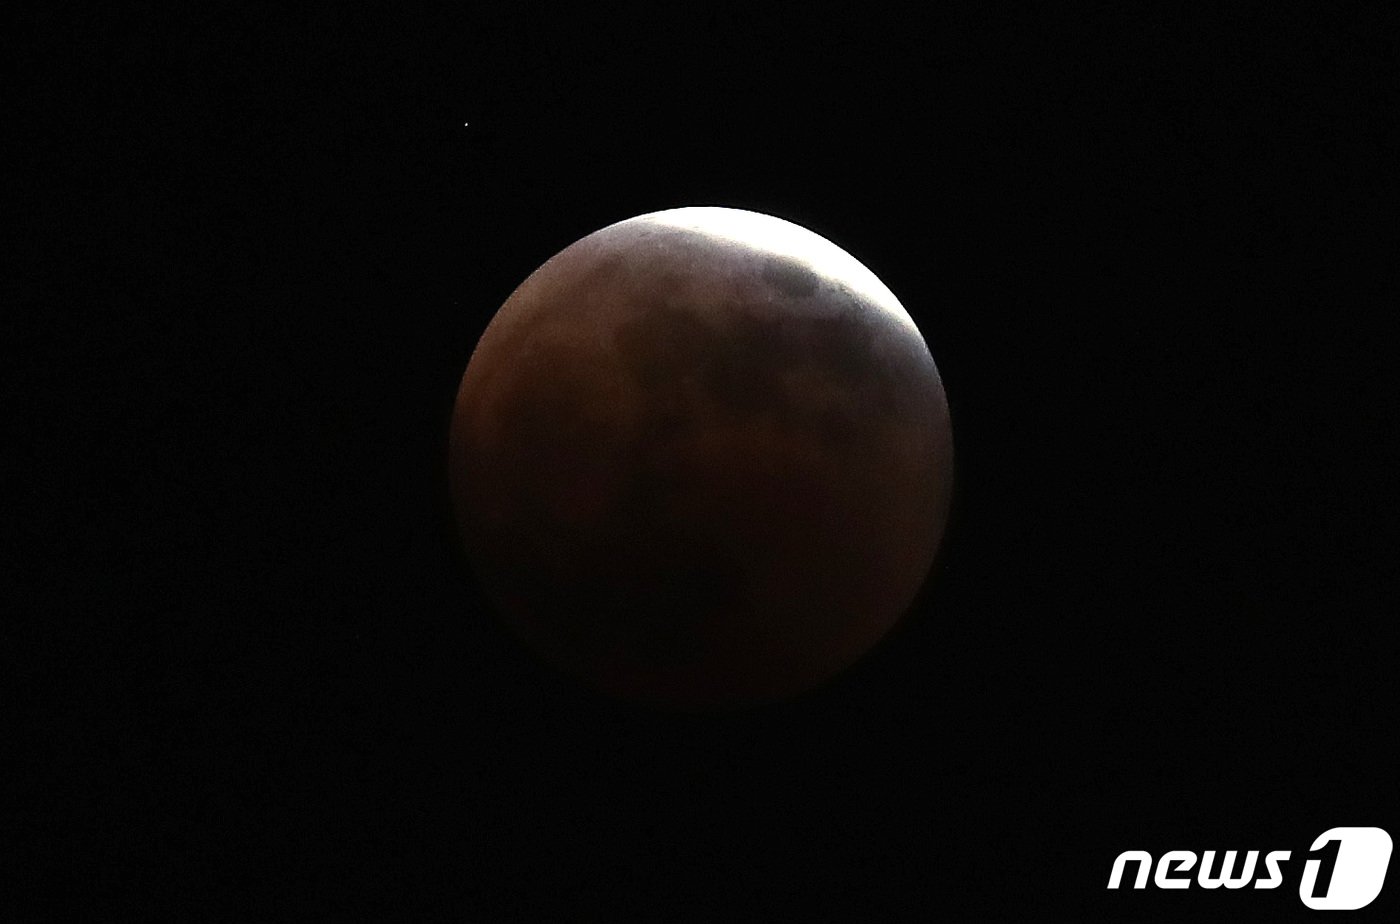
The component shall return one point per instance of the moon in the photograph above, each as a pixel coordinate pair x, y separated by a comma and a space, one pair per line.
701, 458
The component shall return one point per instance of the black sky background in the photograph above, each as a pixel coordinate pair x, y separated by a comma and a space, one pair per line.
252, 674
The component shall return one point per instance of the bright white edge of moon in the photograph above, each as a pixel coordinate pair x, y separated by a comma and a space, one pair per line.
769, 234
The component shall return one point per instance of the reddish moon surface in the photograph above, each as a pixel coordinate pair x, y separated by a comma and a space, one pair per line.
701, 458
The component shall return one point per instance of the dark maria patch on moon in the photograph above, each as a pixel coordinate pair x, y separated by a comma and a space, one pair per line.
793, 278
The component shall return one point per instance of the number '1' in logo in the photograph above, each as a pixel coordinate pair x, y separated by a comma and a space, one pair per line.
1350, 872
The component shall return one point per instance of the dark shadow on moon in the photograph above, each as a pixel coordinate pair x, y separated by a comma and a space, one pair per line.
759, 363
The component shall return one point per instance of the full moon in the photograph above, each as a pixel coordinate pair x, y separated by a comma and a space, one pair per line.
701, 458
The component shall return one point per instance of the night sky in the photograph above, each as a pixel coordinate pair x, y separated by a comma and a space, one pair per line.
254, 675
